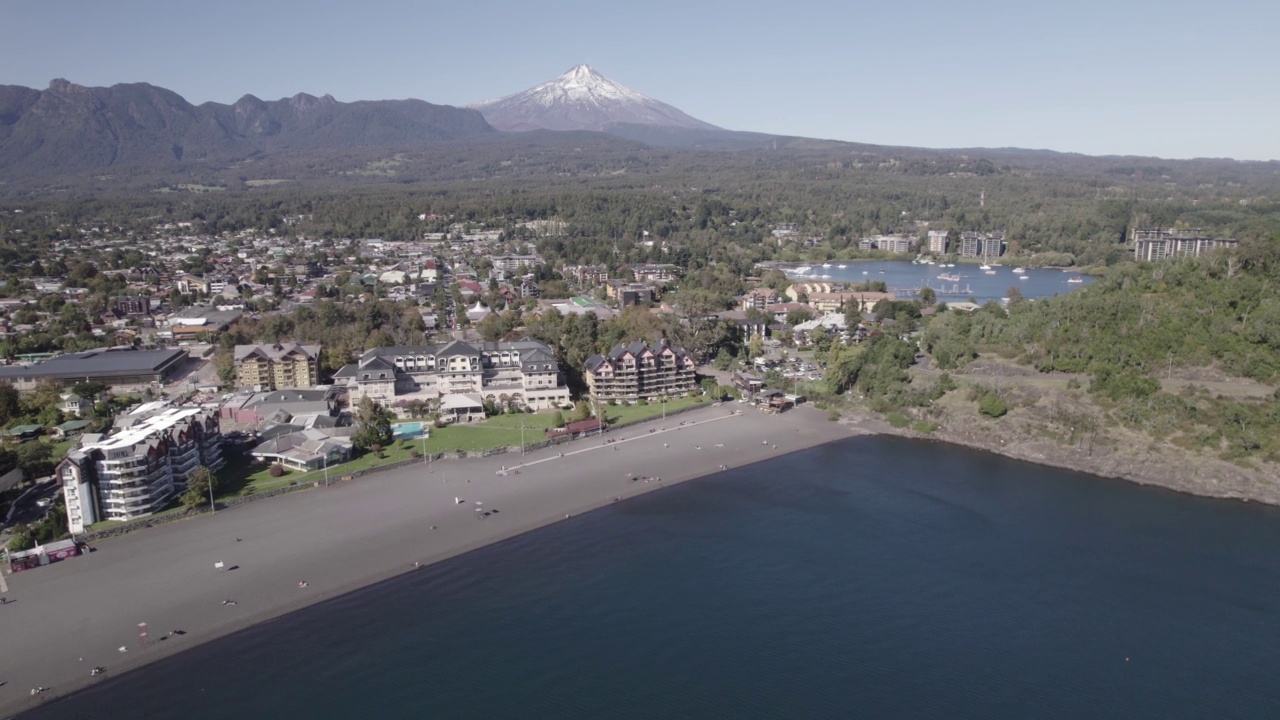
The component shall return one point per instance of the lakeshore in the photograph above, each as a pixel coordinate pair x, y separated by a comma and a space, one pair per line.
68, 618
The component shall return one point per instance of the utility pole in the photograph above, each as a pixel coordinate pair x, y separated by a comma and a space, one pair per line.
212, 507
326, 469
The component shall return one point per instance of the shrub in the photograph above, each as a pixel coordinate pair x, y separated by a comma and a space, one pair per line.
247, 490
611, 402
642, 402
992, 406
276, 470
697, 399
897, 419
923, 426
833, 416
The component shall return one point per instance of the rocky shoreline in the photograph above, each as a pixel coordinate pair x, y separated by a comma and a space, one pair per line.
1118, 455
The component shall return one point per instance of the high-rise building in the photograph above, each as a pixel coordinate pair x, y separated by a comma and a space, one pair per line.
1151, 244
135, 470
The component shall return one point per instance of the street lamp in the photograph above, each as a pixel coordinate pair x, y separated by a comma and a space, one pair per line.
212, 507
325, 458
522, 437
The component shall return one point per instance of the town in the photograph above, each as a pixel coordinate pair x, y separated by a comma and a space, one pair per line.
222, 365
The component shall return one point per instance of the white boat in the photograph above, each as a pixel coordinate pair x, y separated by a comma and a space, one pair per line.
984, 266
991, 272
842, 267
1076, 279
1023, 277
826, 264
864, 272
803, 269
1019, 270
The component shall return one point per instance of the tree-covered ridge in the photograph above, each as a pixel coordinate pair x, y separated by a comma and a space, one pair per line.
1147, 318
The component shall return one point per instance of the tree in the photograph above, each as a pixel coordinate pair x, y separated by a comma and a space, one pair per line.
10, 403
201, 484
1015, 295
21, 539
928, 296
35, 458
373, 425
557, 420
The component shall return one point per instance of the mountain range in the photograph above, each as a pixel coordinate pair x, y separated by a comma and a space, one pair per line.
69, 128
139, 135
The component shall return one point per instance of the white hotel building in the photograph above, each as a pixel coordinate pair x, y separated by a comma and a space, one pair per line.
136, 470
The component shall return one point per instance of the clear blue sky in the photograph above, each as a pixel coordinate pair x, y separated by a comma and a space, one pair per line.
1174, 79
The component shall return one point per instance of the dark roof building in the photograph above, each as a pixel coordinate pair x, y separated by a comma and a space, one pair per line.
112, 366
631, 372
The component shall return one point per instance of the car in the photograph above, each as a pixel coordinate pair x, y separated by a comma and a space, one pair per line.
44, 503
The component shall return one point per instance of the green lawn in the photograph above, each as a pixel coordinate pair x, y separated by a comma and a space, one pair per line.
632, 413
497, 431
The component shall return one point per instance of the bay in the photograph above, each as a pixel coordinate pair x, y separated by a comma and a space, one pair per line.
873, 577
967, 280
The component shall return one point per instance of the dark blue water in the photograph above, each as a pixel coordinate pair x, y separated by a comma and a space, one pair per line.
905, 278
875, 577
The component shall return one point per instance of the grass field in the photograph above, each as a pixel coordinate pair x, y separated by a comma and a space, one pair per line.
498, 431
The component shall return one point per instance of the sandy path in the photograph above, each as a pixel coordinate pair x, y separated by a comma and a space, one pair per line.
67, 618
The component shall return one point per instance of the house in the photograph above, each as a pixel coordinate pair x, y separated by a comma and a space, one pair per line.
462, 408
277, 366
759, 298
304, 450
629, 293
193, 322
580, 427
290, 405
747, 384
73, 404
795, 290
23, 433
71, 428
631, 372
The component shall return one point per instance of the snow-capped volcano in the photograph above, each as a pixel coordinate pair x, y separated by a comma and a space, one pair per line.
581, 99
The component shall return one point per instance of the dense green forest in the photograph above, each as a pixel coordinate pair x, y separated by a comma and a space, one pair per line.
1137, 324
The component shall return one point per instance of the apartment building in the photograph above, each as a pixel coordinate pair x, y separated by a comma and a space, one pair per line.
631, 372
277, 366
759, 298
135, 470
524, 372
937, 242
1152, 244
512, 263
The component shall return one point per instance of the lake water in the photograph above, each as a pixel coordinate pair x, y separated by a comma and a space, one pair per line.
905, 278
875, 577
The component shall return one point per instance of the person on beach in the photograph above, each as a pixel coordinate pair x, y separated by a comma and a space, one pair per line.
302, 583
228, 601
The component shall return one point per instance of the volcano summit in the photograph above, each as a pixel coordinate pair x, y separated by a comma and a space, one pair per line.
582, 99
